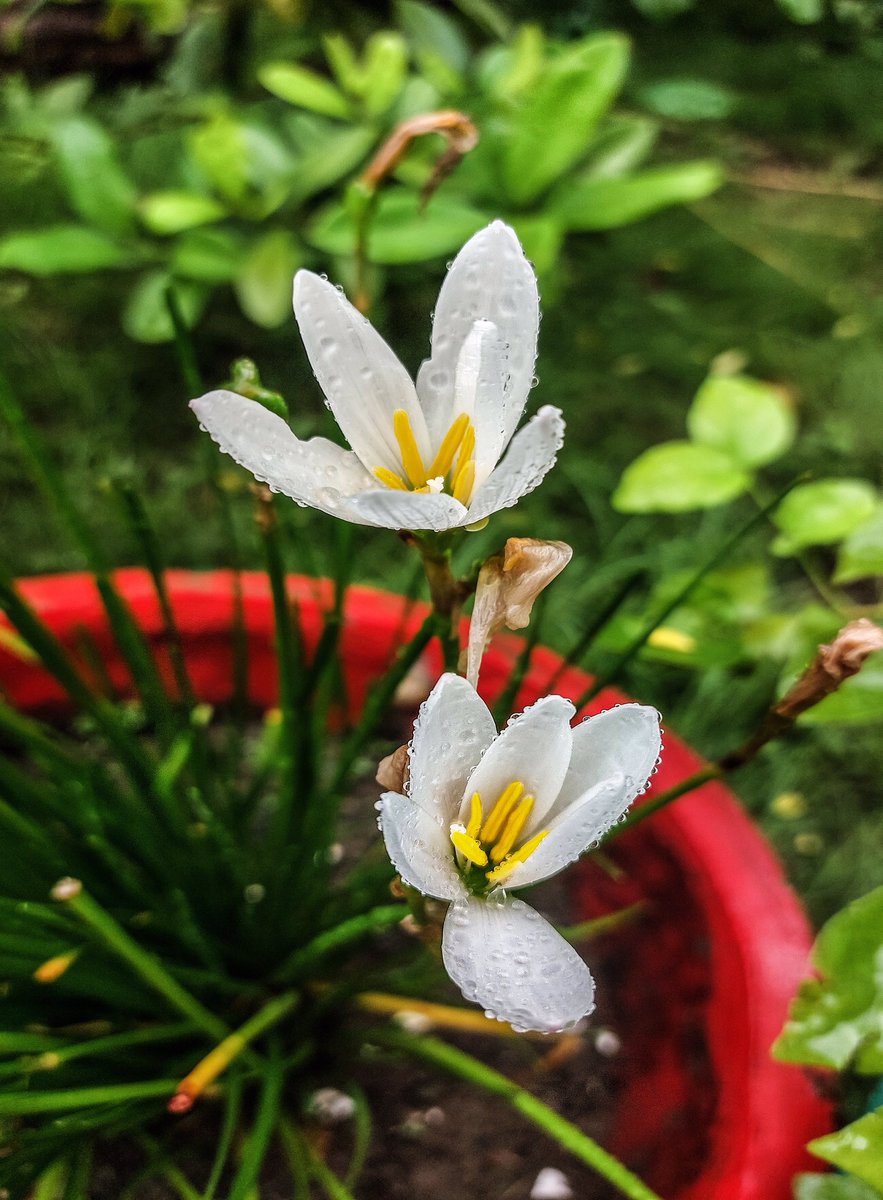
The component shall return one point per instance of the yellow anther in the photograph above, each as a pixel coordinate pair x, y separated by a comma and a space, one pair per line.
501, 812
464, 481
390, 479
475, 816
469, 847
519, 856
444, 460
513, 830
467, 447
411, 459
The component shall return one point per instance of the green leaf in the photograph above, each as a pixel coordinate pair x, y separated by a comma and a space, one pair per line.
96, 185
857, 701
172, 212
588, 204
803, 12
328, 152
400, 231
553, 126
433, 34
207, 255
63, 250
220, 149
541, 238
749, 420
835, 1021
677, 477
857, 1148
263, 284
832, 1187
378, 78
861, 554
688, 99
305, 88
146, 315
825, 511
620, 146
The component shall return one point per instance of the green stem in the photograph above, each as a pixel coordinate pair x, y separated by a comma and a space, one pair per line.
720, 555
229, 1125
655, 803
301, 961
447, 596
266, 1120
463, 1065
303, 1158
145, 965
28, 1103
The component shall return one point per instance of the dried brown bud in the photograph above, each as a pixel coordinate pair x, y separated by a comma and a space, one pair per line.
831, 666
392, 771
508, 585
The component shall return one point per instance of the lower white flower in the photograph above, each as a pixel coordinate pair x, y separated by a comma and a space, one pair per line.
488, 813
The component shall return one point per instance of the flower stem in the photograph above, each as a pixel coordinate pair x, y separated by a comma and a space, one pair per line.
14, 1104
447, 595
562, 1131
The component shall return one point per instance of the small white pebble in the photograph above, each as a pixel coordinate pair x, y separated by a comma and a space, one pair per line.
413, 1022
254, 893
335, 853
433, 1117
607, 1043
551, 1184
331, 1106
66, 889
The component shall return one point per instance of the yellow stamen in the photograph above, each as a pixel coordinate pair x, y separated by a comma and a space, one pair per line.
469, 847
501, 812
467, 448
411, 459
444, 460
475, 817
512, 832
464, 481
390, 479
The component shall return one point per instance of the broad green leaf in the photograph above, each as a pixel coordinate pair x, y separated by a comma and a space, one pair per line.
400, 231
857, 1148
305, 88
207, 255
328, 152
263, 283
861, 554
553, 126
747, 419
620, 146
837, 1020
220, 149
146, 315
173, 212
541, 238
803, 12
510, 69
62, 250
825, 511
588, 204
677, 477
378, 78
433, 34
857, 701
832, 1187
688, 99
96, 185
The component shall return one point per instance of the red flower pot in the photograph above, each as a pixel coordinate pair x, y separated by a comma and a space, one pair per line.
704, 1113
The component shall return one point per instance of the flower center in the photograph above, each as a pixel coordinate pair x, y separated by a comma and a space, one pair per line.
487, 850
452, 470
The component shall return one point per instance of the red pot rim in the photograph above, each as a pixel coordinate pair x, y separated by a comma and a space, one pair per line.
765, 1111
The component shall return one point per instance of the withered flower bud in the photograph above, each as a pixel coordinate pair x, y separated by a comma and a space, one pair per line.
832, 665
392, 771
508, 585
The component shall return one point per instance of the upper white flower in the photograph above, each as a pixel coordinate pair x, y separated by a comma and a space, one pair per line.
486, 814
422, 457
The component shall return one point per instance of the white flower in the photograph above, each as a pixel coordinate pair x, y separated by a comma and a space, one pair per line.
422, 457
486, 814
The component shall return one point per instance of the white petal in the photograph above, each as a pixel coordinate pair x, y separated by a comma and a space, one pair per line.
624, 741
409, 510
419, 844
491, 280
528, 460
503, 955
453, 730
363, 381
572, 832
534, 749
316, 472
